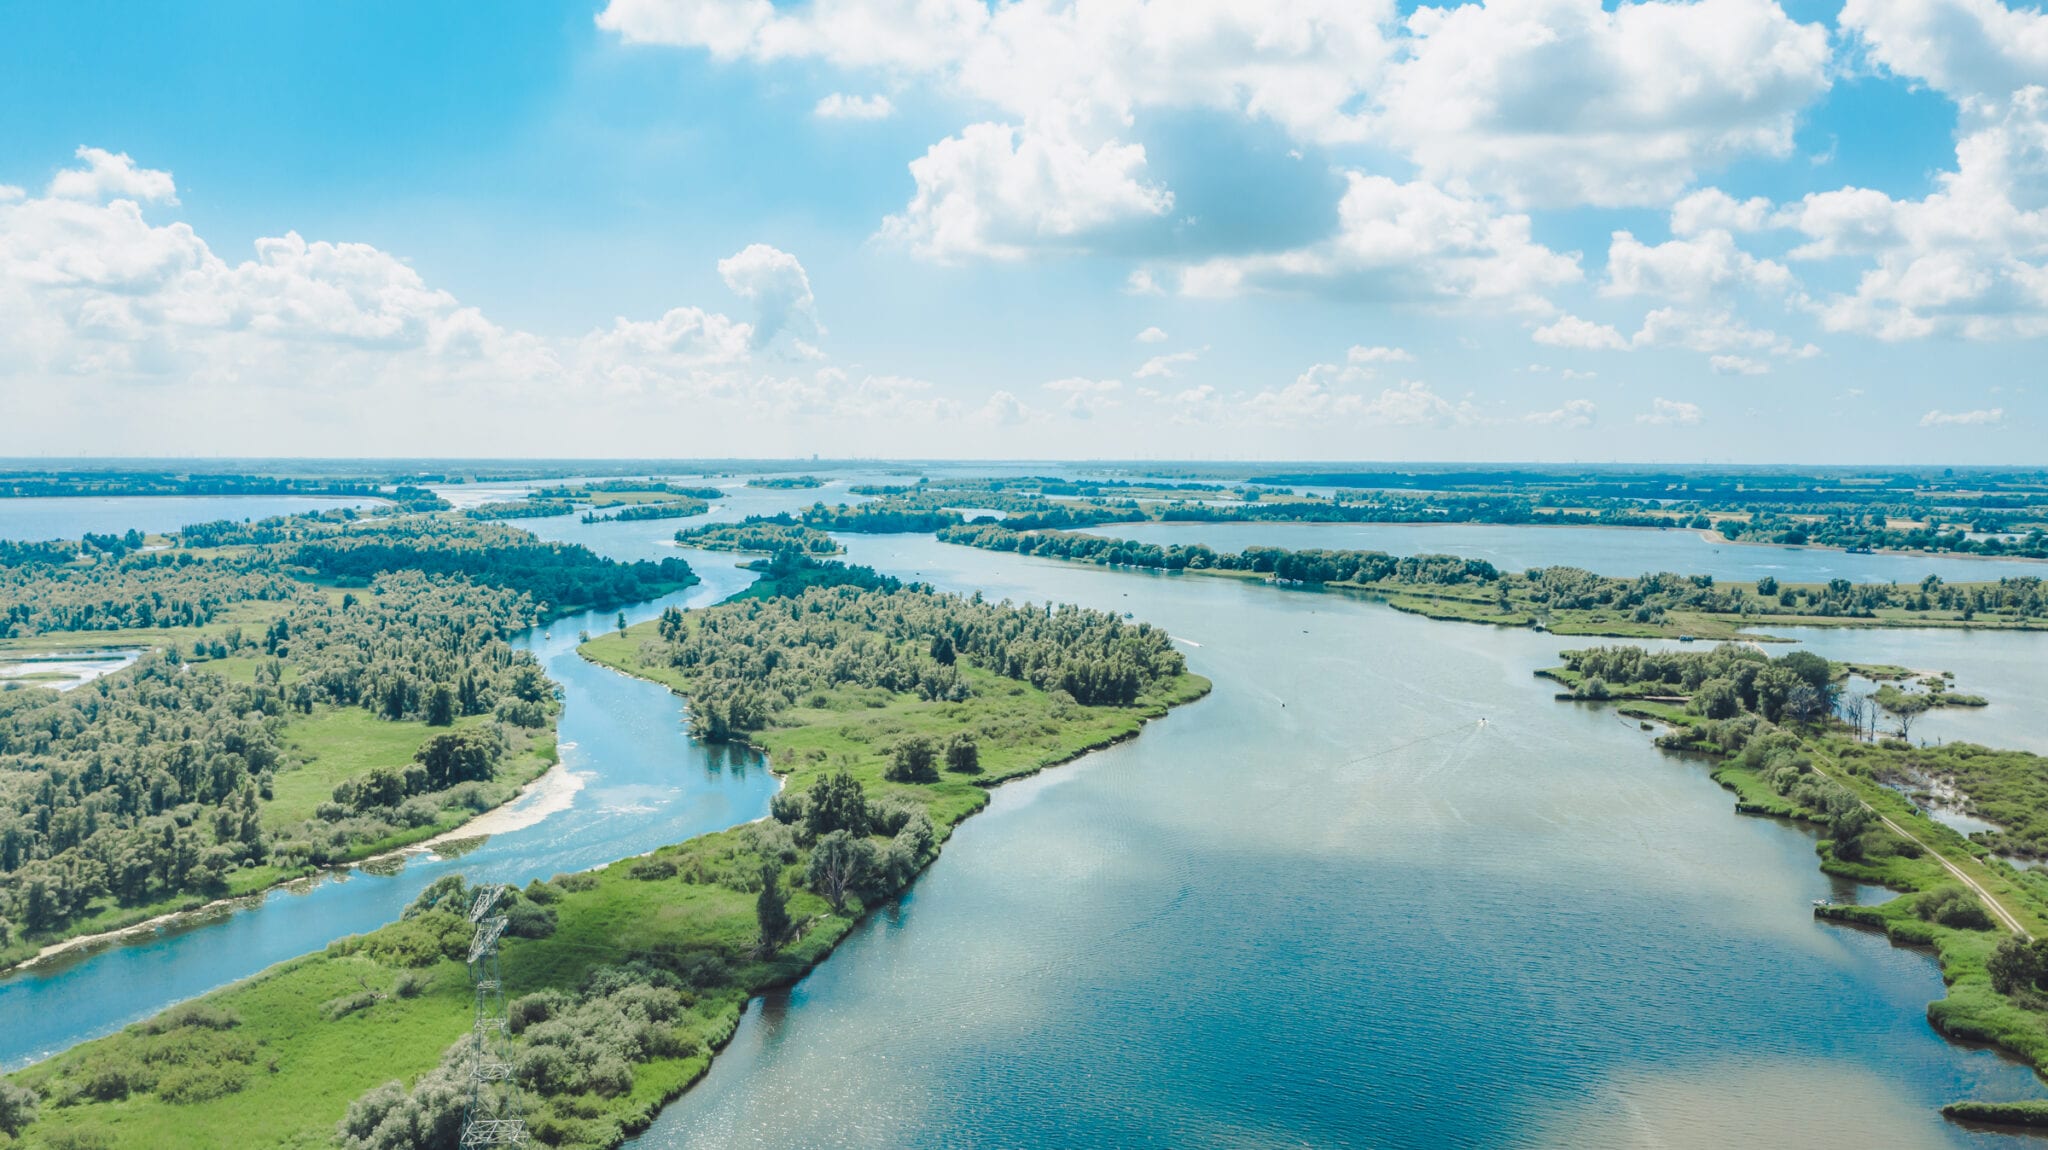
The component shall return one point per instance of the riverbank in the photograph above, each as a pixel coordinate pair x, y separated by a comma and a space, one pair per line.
252, 885
1957, 899
686, 909
1713, 535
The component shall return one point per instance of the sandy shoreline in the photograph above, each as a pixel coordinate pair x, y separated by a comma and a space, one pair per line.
552, 792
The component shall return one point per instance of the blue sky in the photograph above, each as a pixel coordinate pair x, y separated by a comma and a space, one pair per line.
932, 228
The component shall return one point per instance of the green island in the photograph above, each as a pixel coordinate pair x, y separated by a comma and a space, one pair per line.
889, 709
628, 492
760, 533
628, 501
1566, 600
1771, 728
335, 692
642, 512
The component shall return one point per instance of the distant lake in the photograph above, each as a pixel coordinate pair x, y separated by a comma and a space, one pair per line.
1617, 551
68, 517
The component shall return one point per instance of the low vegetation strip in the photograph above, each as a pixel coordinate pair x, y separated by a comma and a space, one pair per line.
1567, 600
890, 713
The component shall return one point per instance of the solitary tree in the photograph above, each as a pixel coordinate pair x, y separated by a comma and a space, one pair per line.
17, 1108
963, 755
837, 804
914, 761
622, 622
839, 864
1908, 711
771, 909
440, 706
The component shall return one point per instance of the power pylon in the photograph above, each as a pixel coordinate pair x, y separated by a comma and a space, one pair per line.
493, 1118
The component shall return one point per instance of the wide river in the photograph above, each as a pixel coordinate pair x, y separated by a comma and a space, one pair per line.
1331, 906
1380, 889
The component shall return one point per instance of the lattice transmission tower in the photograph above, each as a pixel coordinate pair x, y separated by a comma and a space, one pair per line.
493, 1118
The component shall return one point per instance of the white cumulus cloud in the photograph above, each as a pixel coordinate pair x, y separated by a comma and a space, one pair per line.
110, 175
1571, 331
1405, 242
996, 191
1572, 414
840, 106
1379, 355
1738, 365
1671, 412
1701, 267
775, 282
1981, 418
1571, 102
1164, 366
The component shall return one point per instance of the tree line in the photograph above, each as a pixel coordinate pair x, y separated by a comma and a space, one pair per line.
1641, 599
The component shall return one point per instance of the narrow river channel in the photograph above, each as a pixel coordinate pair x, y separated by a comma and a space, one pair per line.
631, 780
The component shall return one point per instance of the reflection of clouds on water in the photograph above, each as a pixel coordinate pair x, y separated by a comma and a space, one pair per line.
1816, 1106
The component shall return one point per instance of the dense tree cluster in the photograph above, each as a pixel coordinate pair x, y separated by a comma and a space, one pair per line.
583, 492
560, 575
878, 518
275, 529
1316, 566
148, 784
19, 554
520, 509
155, 589
1721, 683
748, 659
136, 786
790, 572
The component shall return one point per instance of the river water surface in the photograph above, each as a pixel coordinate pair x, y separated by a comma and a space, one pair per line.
1331, 906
